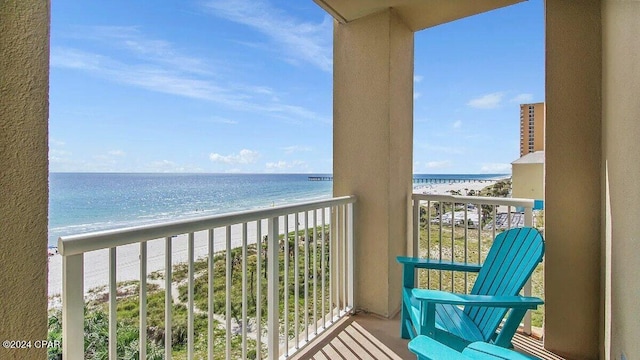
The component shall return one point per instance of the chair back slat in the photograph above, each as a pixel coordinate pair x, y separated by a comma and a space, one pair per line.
512, 259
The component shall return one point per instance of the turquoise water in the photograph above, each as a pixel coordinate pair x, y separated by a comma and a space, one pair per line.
85, 202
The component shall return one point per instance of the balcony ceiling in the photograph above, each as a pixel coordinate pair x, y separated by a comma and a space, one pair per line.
417, 14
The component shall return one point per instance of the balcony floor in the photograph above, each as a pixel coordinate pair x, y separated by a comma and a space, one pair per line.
365, 336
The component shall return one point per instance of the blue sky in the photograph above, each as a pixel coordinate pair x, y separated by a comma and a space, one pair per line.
246, 86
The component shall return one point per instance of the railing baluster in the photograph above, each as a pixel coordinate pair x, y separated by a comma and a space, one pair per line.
322, 268
286, 285
413, 247
296, 282
343, 240
190, 299
113, 289
428, 242
332, 283
244, 290
453, 237
315, 271
466, 245
210, 318
168, 299
479, 234
495, 222
273, 323
228, 274
441, 207
73, 305
259, 289
306, 276
142, 339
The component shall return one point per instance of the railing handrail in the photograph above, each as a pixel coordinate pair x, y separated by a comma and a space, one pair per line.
483, 200
82, 243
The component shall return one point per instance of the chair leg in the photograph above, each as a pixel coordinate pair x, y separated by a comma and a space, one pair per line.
510, 327
405, 320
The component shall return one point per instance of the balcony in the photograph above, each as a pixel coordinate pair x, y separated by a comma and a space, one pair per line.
305, 301
591, 160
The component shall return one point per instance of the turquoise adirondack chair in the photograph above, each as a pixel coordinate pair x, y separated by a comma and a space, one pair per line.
428, 349
457, 320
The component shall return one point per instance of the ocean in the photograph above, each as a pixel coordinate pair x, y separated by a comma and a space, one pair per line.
87, 202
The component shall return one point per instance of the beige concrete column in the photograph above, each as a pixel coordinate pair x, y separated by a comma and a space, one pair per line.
24, 86
373, 148
572, 178
621, 128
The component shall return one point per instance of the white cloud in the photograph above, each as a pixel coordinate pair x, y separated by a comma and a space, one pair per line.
220, 120
452, 149
284, 165
522, 98
417, 78
245, 156
296, 149
489, 101
416, 95
56, 142
457, 124
438, 164
155, 65
168, 166
59, 156
496, 168
299, 40
117, 153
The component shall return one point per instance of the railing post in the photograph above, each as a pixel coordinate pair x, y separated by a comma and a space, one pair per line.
350, 259
526, 322
113, 318
73, 307
412, 248
273, 307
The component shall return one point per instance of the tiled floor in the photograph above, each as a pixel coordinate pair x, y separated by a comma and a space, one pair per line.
365, 336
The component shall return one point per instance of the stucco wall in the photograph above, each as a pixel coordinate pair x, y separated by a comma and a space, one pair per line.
621, 121
572, 177
527, 181
373, 146
24, 72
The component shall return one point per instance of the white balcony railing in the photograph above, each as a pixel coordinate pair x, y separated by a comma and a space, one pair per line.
320, 232
461, 228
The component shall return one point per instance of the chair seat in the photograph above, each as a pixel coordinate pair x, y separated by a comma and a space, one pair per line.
451, 319
429, 349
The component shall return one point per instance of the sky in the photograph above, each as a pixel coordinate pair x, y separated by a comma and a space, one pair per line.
245, 86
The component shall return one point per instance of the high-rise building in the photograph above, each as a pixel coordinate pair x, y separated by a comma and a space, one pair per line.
531, 128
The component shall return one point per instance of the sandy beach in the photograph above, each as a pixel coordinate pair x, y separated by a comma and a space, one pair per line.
445, 188
96, 268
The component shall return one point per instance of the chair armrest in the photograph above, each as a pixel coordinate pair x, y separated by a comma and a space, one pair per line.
443, 297
432, 264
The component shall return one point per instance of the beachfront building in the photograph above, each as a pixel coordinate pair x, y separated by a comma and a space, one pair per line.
592, 162
531, 128
527, 176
